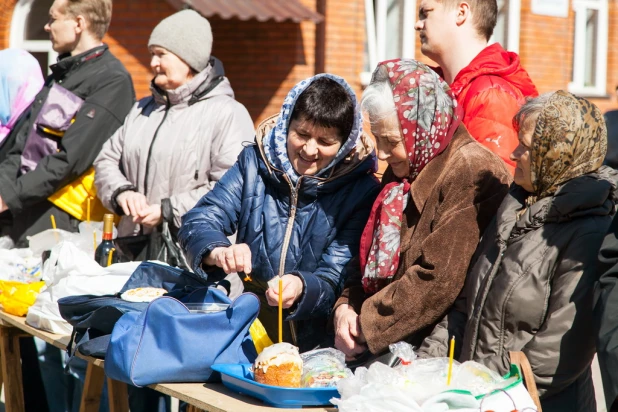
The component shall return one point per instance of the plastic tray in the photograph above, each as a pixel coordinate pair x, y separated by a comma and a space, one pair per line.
239, 378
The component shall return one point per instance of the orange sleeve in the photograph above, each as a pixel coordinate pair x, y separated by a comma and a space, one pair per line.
488, 118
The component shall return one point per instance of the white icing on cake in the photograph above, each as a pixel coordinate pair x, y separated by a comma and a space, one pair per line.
278, 354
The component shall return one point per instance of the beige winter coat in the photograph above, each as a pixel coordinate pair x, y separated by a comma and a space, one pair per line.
173, 147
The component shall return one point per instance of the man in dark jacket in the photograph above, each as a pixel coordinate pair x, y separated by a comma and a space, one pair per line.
606, 314
37, 160
489, 82
90, 73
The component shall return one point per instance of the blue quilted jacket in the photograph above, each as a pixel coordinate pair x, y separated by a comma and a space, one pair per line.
314, 228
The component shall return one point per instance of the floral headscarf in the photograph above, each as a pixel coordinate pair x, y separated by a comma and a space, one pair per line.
569, 140
275, 144
20, 81
428, 116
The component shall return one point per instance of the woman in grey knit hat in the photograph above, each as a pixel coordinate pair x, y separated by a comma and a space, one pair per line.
176, 144
173, 147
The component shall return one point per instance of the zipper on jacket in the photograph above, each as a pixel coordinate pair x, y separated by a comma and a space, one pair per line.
167, 109
286, 239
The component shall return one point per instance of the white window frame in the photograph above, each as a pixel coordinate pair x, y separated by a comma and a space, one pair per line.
18, 32
375, 23
577, 86
514, 22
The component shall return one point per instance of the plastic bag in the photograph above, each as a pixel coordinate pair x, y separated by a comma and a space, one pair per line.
85, 240
259, 336
47, 239
403, 351
6, 242
421, 386
19, 265
323, 368
17, 297
71, 271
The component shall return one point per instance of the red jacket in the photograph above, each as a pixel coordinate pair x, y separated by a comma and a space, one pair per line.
491, 89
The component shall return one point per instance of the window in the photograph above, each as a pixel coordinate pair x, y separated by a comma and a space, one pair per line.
590, 48
390, 32
27, 31
506, 31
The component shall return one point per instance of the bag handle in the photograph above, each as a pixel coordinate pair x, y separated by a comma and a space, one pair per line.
521, 360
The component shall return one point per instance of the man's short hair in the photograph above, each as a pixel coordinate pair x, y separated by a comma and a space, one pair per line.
327, 104
485, 14
98, 13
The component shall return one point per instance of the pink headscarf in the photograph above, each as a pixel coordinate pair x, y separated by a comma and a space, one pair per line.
428, 116
20, 81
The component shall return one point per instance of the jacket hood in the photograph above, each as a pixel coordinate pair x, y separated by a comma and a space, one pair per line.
274, 145
592, 194
495, 61
362, 152
208, 83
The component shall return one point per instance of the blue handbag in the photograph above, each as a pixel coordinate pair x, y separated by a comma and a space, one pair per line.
168, 343
93, 317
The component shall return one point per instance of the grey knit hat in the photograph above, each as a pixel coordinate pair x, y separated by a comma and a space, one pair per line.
186, 34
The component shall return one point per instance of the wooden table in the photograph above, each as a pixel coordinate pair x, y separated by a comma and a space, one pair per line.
211, 397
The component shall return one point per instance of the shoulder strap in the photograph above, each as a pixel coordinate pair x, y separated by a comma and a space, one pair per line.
520, 359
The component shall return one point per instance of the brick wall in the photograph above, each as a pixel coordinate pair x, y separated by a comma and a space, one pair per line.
128, 35
264, 60
6, 14
549, 62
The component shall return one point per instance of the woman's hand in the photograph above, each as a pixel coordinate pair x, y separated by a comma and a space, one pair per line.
149, 216
236, 258
292, 289
132, 203
349, 337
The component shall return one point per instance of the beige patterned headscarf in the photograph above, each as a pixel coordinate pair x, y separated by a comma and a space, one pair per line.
569, 140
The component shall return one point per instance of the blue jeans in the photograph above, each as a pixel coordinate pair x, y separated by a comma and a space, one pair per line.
63, 390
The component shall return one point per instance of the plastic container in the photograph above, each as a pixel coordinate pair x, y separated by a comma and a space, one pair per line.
206, 307
239, 378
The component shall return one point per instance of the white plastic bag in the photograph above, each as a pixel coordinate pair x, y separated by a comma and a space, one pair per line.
20, 265
421, 386
70, 271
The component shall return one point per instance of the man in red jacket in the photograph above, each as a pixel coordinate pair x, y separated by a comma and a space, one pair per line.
488, 81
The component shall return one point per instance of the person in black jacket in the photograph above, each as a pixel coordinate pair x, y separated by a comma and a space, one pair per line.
94, 90
606, 313
86, 72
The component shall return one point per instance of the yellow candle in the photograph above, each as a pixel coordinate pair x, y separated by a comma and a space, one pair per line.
94, 239
109, 257
451, 355
53, 223
280, 310
88, 210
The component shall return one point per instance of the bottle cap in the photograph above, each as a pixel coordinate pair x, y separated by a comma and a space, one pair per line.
108, 223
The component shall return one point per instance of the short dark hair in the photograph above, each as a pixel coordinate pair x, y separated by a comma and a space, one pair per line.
327, 104
485, 14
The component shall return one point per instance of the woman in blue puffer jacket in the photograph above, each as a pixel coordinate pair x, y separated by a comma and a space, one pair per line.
298, 200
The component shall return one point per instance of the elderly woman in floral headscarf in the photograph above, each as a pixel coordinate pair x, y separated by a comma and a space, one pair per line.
530, 288
439, 192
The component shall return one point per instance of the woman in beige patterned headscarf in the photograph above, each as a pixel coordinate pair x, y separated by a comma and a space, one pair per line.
568, 140
531, 287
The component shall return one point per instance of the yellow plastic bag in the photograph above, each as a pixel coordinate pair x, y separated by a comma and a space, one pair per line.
17, 297
259, 336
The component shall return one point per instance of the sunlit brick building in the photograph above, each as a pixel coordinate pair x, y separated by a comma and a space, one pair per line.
268, 45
